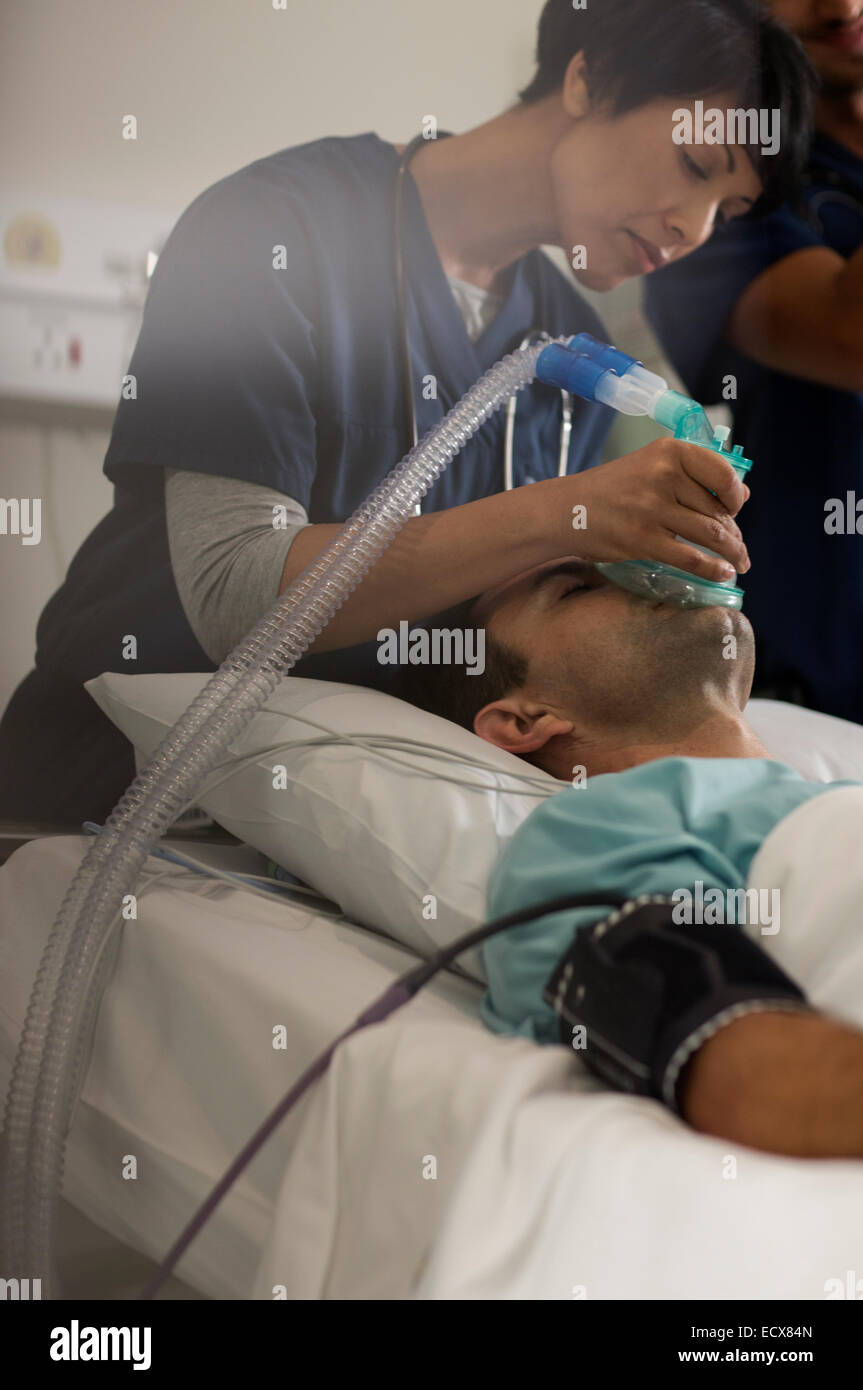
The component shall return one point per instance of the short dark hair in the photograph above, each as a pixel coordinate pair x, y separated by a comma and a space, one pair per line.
637, 51
448, 690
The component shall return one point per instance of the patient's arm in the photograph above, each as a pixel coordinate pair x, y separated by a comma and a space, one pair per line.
784, 1082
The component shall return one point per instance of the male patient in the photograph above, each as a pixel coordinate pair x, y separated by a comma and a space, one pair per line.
585, 680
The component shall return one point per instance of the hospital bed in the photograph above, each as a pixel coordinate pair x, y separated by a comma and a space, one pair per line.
435, 1160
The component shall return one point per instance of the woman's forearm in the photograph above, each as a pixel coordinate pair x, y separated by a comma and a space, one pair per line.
444, 557
629, 508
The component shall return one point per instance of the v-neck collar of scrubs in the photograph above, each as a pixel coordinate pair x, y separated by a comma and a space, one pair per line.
430, 301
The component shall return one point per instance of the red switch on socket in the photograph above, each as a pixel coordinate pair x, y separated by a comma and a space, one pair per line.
74, 352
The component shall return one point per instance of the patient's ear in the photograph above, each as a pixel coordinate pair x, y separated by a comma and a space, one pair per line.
519, 728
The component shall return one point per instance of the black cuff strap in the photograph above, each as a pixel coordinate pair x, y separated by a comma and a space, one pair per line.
637, 993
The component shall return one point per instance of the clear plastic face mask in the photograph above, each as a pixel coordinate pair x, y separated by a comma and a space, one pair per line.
664, 583
668, 585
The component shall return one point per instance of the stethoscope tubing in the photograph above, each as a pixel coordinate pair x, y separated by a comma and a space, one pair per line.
405, 353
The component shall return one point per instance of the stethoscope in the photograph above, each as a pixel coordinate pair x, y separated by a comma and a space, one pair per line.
535, 336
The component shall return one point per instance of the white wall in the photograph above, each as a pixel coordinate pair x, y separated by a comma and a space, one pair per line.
214, 84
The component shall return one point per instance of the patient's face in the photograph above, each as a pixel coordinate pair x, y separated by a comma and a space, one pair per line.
610, 658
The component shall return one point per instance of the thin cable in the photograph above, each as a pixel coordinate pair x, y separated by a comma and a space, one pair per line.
263, 885
544, 785
401, 298
411, 430
260, 884
392, 999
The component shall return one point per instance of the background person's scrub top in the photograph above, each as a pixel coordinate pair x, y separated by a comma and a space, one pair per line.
804, 593
270, 351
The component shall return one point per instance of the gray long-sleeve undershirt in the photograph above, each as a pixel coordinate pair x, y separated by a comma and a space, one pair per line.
226, 552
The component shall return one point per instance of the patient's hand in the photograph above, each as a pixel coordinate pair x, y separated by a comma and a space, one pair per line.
785, 1082
638, 504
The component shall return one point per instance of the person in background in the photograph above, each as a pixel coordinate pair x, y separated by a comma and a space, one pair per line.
769, 317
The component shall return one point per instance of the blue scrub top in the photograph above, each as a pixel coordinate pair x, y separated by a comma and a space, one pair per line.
804, 593
282, 367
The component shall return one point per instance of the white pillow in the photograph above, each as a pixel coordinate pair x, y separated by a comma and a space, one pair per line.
820, 747
391, 844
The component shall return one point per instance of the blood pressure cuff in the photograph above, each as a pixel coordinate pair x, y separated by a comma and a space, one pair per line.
637, 994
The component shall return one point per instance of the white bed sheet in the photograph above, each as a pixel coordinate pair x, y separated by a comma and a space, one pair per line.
544, 1185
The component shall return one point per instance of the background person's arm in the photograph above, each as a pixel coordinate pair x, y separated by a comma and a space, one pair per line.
804, 316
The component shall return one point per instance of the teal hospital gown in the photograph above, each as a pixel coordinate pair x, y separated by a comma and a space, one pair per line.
656, 828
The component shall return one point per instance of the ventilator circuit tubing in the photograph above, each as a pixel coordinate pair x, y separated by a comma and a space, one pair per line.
54, 1048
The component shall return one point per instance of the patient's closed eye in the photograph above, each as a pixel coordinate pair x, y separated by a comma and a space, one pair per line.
570, 577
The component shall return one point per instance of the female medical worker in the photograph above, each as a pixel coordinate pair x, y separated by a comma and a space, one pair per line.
267, 393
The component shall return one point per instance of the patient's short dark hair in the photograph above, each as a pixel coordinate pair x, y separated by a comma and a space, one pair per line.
638, 51
449, 690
